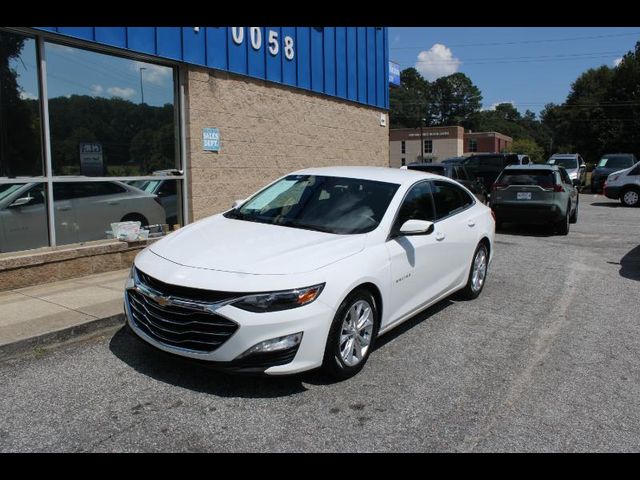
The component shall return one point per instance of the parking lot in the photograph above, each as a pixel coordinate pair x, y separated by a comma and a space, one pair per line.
547, 359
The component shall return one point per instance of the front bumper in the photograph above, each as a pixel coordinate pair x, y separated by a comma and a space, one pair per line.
312, 320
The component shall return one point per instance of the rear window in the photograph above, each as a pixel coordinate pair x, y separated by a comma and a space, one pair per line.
527, 177
615, 161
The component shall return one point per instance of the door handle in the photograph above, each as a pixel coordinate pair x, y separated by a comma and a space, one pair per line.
471, 223
439, 236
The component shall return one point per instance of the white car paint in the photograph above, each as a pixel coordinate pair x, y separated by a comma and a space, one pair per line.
410, 272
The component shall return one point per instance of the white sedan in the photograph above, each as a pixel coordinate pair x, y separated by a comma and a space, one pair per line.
309, 271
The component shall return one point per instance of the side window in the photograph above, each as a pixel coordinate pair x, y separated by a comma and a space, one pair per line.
417, 205
564, 176
449, 199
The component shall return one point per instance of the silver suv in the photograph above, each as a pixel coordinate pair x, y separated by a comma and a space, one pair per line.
573, 163
538, 194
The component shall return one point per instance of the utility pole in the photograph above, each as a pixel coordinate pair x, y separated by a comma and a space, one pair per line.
141, 87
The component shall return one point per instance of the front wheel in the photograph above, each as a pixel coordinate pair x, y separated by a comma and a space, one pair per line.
477, 273
352, 335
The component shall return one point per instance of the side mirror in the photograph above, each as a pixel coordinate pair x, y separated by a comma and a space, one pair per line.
416, 227
237, 203
19, 202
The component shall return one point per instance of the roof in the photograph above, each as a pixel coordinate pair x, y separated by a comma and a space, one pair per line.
380, 174
533, 166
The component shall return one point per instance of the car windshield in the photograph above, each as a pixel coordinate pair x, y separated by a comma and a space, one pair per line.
543, 178
565, 162
615, 161
326, 204
146, 185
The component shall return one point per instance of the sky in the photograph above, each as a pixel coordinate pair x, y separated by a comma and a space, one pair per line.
526, 66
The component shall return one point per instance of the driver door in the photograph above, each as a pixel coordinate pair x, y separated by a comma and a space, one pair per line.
412, 257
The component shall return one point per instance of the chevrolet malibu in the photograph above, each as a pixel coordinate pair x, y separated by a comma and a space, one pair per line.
309, 271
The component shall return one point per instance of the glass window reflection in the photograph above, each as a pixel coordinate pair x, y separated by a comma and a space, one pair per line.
23, 216
20, 146
109, 116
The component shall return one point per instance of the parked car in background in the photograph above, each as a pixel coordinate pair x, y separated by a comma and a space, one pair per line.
573, 164
83, 211
453, 160
166, 191
609, 163
536, 194
624, 185
455, 171
310, 270
486, 167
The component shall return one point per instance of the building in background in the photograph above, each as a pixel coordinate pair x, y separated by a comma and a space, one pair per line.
439, 143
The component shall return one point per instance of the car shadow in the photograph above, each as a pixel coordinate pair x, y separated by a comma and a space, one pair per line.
198, 377
630, 264
195, 376
525, 230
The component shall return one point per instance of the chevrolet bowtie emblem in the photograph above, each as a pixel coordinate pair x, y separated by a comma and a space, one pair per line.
163, 301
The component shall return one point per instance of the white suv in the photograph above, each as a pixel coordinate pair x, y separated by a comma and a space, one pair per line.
624, 185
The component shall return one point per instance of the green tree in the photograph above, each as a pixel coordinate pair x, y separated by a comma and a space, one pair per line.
453, 100
528, 146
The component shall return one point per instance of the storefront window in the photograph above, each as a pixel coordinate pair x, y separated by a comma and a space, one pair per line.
23, 216
109, 116
20, 145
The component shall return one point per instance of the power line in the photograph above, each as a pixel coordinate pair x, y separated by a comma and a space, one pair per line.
521, 42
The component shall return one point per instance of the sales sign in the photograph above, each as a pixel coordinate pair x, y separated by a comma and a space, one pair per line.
211, 139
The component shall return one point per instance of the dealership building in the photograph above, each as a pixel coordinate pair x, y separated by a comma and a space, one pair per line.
195, 117
439, 143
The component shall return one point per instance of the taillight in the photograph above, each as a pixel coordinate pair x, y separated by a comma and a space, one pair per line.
498, 186
554, 188
493, 214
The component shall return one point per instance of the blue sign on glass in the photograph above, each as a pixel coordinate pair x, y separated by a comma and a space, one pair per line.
394, 73
211, 139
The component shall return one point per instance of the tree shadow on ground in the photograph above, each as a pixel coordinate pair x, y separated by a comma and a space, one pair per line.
630, 264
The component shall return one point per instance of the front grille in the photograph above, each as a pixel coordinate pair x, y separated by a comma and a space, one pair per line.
178, 326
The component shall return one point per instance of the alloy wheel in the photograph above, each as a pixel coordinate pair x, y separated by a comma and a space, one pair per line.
355, 336
631, 197
479, 270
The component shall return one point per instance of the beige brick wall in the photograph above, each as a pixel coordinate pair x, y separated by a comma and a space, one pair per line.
266, 131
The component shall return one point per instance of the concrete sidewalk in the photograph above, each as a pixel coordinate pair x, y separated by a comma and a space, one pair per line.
36, 316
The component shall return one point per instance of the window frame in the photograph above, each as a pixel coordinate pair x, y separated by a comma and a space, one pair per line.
179, 81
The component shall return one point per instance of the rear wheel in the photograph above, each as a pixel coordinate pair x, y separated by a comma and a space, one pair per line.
630, 197
562, 227
477, 273
574, 215
352, 335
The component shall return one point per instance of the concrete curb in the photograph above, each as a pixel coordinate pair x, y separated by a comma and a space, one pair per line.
75, 332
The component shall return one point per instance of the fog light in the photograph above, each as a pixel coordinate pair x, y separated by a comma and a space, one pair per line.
275, 344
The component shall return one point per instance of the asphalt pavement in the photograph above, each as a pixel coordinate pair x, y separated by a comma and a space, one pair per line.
547, 359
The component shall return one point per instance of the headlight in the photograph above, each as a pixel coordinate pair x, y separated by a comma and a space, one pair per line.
573, 175
129, 283
282, 300
612, 178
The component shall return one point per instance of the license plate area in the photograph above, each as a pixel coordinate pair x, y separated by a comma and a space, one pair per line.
523, 195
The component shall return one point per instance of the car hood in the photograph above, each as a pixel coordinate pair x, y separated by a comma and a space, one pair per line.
230, 245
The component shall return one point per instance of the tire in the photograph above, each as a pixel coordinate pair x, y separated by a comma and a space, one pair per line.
562, 227
479, 264
630, 197
136, 217
574, 216
340, 361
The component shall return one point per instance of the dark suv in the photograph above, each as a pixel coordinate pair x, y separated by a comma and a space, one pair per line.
609, 163
456, 171
487, 166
